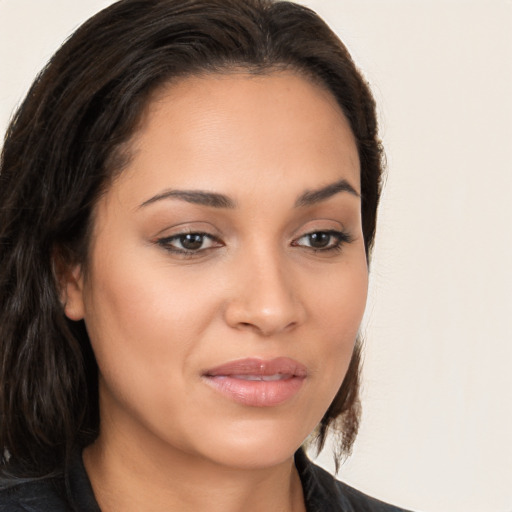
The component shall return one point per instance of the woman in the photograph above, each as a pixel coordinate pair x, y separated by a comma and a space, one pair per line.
188, 205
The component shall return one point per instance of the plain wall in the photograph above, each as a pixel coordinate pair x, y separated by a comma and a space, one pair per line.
437, 426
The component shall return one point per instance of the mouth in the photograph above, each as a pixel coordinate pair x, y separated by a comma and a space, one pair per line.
258, 382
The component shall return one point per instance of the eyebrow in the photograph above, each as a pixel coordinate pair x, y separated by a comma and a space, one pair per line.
311, 197
201, 197
216, 200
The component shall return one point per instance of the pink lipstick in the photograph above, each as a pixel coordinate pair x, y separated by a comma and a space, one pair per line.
257, 382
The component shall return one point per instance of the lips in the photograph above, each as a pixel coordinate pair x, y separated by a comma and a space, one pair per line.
257, 382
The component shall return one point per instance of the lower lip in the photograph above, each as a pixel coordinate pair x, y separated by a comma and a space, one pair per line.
256, 393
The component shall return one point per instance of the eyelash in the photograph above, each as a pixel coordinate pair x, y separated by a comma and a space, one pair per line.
340, 239
167, 241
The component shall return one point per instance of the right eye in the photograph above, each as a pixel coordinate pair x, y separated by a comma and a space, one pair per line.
189, 243
323, 241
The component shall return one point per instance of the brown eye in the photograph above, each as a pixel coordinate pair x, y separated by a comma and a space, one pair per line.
323, 240
319, 240
191, 241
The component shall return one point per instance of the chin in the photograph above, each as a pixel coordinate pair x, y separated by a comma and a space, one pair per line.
258, 448
249, 458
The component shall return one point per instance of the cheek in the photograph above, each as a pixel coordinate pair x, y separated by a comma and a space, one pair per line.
340, 301
145, 327
143, 320
337, 305
343, 304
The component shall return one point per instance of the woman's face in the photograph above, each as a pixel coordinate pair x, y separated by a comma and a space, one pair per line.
227, 274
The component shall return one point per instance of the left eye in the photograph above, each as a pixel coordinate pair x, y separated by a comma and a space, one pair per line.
322, 240
189, 242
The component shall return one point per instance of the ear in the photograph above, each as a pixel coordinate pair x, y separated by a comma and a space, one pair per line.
70, 280
72, 293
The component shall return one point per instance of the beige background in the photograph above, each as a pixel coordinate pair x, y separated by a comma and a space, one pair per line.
437, 430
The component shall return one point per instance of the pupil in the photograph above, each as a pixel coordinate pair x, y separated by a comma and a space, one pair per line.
319, 240
192, 241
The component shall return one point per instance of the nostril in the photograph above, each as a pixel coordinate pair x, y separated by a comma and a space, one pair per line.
267, 309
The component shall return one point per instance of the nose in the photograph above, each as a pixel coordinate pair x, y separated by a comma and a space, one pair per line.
265, 297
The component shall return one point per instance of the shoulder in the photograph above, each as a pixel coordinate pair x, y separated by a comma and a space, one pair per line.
33, 496
323, 493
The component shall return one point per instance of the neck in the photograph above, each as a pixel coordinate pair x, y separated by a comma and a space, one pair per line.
140, 476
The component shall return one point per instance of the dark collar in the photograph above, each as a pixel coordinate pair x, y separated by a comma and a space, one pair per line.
322, 492
78, 486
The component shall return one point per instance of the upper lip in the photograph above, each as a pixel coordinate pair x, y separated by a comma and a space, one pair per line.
260, 367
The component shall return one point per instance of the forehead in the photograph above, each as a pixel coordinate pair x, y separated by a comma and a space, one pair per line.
226, 130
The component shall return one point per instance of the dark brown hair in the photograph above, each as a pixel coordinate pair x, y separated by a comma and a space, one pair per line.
61, 150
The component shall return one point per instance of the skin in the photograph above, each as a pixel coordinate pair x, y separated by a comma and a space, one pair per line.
158, 319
